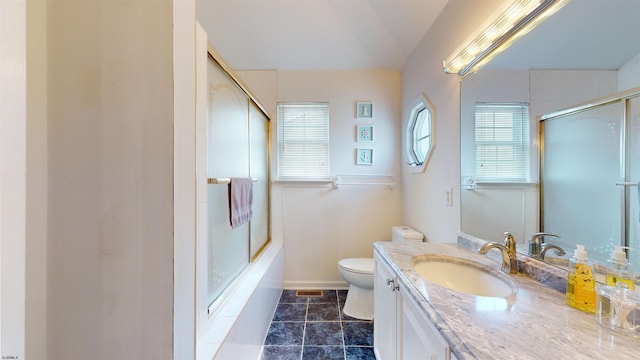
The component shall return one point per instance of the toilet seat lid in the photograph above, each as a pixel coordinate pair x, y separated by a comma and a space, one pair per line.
357, 265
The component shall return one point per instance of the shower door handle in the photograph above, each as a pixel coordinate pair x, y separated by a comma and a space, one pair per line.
626, 183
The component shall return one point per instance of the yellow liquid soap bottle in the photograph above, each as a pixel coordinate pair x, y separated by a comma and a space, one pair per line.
581, 285
619, 268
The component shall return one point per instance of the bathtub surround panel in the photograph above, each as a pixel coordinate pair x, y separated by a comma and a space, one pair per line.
254, 301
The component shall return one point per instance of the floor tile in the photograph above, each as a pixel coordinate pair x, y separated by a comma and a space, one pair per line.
323, 312
359, 353
342, 297
323, 353
323, 333
359, 333
289, 296
279, 352
285, 333
290, 312
328, 296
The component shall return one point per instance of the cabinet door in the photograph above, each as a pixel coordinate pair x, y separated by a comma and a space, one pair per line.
384, 311
420, 339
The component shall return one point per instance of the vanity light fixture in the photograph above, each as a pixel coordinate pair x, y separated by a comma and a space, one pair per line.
514, 19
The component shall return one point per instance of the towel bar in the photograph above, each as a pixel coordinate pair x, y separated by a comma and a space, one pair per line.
224, 180
339, 181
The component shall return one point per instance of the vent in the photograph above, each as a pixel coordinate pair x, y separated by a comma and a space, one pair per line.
309, 293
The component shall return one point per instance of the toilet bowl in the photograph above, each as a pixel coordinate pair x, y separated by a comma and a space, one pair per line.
358, 272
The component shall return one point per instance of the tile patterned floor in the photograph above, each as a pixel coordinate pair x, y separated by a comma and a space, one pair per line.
307, 328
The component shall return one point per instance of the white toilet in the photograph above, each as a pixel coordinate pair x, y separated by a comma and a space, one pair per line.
358, 272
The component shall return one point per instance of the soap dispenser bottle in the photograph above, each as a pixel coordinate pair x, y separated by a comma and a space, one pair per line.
619, 268
581, 285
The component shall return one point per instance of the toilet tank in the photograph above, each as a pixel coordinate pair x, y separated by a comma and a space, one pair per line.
402, 233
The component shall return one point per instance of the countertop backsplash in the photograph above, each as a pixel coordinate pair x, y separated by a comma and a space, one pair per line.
549, 275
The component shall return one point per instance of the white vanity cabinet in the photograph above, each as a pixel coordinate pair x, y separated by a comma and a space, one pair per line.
401, 331
385, 311
420, 338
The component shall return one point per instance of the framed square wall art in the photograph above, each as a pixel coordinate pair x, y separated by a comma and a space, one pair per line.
364, 110
364, 156
364, 133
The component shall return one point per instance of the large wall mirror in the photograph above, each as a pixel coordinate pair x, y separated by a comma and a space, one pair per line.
578, 55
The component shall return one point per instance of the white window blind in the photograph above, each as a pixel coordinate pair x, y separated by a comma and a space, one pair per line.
502, 142
303, 141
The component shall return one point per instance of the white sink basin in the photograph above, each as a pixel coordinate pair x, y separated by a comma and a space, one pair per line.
464, 275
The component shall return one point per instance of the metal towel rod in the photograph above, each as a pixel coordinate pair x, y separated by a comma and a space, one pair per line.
224, 180
339, 181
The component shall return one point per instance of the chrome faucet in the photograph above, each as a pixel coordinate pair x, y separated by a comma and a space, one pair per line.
556, 249
537, 246
508, 251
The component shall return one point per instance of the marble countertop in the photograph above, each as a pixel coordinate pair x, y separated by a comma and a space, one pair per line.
535, 324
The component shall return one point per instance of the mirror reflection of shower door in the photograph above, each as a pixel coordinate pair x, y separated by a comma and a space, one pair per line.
633, 195
580, 167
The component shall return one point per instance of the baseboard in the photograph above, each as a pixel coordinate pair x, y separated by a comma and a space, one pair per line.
307, 285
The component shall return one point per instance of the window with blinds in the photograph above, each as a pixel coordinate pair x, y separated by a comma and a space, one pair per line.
303, 141
502, 142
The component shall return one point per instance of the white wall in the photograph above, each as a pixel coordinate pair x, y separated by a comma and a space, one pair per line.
424, 193
629, 74
321, 225
553, 90
110, 195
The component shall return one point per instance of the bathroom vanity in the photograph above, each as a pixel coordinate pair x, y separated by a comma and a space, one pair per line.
418, 319
401, 329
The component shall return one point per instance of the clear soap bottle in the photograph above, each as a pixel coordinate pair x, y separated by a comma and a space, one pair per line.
619, 268
581, 285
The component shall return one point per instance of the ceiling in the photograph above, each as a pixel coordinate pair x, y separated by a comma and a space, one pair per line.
370, 34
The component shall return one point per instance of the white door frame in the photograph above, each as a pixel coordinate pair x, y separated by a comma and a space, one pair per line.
13, 115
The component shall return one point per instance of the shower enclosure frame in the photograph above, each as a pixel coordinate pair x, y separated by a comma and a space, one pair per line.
624, 182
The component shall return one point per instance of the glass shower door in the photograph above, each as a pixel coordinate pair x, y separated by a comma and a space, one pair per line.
581, 165
227, 157
633, 192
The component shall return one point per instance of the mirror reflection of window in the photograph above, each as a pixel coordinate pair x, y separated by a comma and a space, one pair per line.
420, 134
502, 142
